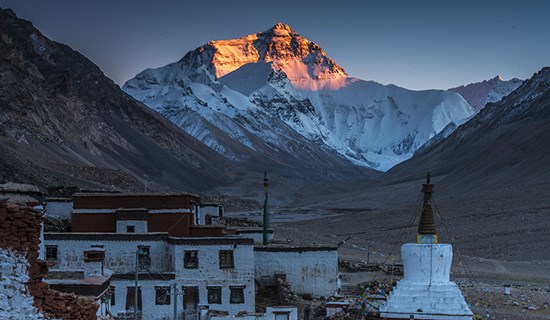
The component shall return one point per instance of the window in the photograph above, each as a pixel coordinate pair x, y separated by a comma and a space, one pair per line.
130, 229
237, 295
113, 302
226, 259
162, 295
51, 253
144, 258
214, 295
191, 260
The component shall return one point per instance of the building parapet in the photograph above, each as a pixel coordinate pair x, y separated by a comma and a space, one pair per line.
107, 236
144, 276
211, 241
291, 248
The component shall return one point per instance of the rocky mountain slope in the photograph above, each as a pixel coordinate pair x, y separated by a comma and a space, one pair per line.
488, 91
63, 122
277, 91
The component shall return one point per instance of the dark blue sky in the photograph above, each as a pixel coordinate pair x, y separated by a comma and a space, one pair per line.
415, 44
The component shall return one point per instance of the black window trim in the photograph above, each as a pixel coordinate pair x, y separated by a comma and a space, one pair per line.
167, 295
225, 265
236, 287
196, 260
219, 290
47, 254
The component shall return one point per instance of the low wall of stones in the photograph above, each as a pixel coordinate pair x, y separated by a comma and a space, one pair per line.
20, 240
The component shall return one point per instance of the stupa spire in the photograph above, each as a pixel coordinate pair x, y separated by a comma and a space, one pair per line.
426, 227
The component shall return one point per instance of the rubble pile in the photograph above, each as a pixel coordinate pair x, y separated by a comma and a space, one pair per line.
286, 296
240, 222
20, 236
57, 224
232, 203
359, 266
347, 314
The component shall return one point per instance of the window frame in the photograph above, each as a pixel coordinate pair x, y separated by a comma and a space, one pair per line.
193, 263
144, 258
232, 296
113, 296
48, 254
163, 290
224, 264
213, 292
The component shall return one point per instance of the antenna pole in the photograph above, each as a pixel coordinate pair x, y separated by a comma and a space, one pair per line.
136, 288
266, 213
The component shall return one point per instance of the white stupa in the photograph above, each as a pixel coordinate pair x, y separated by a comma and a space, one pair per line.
426, 291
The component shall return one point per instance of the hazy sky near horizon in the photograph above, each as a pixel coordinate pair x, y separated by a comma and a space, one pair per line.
415, 44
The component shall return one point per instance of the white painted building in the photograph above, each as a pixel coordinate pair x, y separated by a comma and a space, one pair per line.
307, 269
217, 271
254, 233
209, 213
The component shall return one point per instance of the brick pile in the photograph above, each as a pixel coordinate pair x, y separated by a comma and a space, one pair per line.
20, 232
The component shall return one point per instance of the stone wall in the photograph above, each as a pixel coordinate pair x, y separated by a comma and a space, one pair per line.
20, 239
15, 301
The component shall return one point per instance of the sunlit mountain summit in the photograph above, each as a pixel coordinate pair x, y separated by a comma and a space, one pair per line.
276, 89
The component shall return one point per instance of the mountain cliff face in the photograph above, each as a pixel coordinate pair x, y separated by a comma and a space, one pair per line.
63, 122
277, 91
488, 91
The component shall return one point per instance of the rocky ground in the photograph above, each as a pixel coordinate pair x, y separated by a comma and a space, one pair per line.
499, 237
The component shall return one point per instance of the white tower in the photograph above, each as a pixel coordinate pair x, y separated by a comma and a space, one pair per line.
426, 291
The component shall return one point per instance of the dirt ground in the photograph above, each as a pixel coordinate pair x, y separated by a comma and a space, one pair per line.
489, 249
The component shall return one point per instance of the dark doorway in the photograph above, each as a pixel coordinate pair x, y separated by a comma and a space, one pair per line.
130, 296
190, 302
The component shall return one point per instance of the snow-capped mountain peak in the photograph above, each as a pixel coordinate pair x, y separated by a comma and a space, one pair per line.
276, 89
488, 91
288, 52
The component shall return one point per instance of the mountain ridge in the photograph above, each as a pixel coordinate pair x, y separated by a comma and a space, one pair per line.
59, 107
478, 94
64, 123
364, 122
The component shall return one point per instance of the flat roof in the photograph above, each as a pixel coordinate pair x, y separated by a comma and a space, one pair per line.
152, 236
212, 240
58, 199
104, 194
294, 248
108, 236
